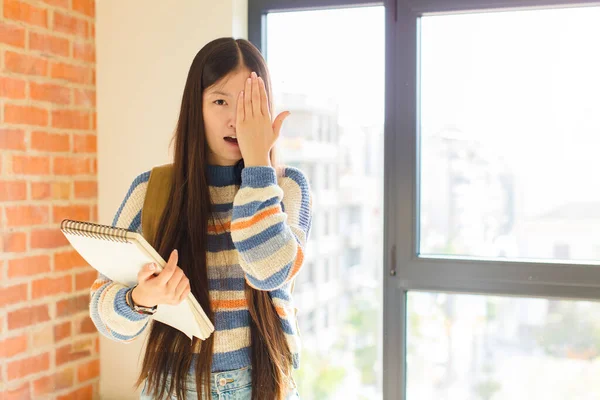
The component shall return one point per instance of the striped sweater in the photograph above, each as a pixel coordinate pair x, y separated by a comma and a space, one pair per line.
263, 222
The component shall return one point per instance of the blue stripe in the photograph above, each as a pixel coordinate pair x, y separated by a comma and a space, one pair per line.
225, 320
261, 238
263, 251
297, 176
220, 242
250, 209
226, 284
231, 360
258, 177
116, 335
123, 310
272, 281
222, 207
287, 327
144, 177
282, 293
136, 222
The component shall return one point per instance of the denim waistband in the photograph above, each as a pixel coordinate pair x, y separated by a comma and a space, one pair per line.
222, 381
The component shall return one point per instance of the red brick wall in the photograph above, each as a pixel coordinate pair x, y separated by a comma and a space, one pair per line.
48, 345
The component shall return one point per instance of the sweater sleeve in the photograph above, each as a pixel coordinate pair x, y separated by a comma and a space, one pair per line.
108, 310
270, 225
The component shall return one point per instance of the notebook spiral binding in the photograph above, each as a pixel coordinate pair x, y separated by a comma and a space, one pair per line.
89, 229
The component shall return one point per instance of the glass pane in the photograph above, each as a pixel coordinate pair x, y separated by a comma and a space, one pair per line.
335, 135
501, 348
510, 132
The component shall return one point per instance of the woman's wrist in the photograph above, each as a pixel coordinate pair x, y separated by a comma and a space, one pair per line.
137, 301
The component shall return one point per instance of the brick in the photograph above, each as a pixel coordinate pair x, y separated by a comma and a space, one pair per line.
68, 353
48, 239
84, 393
13, 294
71, 166
85, 97
72, 305
71, 73
28, 316
12, 139
49, 44
76, 212
12, 35
85, 279
86, 325
25, 64
20, 393
51, 286
71, 25
84, 51
42, 336
28, 266
68, 260
89, 370
83, 189
12, 88
62, 331
28, 115
12, 346
31, 165
94, 120
20, 11
26, 215
85, 7
56, 94
14, 242
28, 366
13, 190
52, 142
50, 190
70, 119
85, 144
49, 384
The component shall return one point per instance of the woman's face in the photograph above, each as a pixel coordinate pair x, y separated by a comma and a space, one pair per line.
219, 105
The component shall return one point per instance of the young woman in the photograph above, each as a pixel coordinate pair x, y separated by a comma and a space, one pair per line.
234, 232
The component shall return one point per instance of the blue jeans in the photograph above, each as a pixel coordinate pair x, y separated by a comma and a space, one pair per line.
226, 385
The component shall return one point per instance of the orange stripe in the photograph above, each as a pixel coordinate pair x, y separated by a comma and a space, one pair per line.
98, 284
218, 228
257, 218
229, 304
281, 311
297, 263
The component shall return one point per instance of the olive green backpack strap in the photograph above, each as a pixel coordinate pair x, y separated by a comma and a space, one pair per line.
155, 202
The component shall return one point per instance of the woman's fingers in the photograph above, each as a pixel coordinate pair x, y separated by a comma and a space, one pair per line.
248, 99
264, 101
256, 110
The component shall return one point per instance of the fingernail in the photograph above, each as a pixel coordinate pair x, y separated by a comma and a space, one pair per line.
175, 251
152, 267
253, 74
249, 80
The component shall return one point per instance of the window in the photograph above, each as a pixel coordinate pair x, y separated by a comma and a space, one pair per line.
491, 213
328, 105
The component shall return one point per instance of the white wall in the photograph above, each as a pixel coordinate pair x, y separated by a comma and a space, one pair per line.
144, 50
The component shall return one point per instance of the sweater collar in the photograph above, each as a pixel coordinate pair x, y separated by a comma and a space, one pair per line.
219, 175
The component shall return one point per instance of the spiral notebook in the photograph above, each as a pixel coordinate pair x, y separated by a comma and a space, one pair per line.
119, 254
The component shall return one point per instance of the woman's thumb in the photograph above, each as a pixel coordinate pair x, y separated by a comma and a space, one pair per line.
146, 272
279, 121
